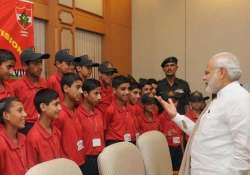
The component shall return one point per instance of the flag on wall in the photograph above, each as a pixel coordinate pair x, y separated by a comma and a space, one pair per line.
16, 27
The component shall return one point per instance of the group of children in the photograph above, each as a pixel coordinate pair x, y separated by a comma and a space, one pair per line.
74, 116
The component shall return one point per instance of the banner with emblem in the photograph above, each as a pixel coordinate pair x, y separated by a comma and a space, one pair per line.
16, 28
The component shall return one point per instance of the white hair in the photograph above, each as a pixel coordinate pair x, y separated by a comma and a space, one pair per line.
230, 63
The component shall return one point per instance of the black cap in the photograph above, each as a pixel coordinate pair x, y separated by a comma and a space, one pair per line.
169, 60
147, 100
85, 61
105, 69
197, 96
64, 55
29, 54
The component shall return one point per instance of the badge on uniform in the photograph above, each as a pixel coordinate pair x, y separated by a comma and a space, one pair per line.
176, 140
180, 91
80, 145
127, 137
96, 142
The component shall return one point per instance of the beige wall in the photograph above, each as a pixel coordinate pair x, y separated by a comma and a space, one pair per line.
192, 30
158, 31
214, 26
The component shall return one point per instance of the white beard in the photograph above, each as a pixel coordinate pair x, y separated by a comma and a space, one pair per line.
213, 85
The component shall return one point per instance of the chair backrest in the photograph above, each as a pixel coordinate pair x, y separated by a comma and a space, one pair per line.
154, 148
55, 167
122, 158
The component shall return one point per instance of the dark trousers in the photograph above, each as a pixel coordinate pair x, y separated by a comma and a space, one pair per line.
27, 127
90, 167
110, 142
176, 156
82, 167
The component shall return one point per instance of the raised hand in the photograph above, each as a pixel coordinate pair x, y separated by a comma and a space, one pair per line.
169, 106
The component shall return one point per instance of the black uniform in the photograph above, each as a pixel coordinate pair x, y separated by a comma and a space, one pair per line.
180, 87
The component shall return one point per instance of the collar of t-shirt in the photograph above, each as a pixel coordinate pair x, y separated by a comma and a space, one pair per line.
118, 107
40, 84
43, 131
145, 119
70, 113
86, 113
20, 138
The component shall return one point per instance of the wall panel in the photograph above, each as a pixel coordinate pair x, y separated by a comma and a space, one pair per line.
40, 40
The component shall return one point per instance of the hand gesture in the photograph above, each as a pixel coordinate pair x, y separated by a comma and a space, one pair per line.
168, 106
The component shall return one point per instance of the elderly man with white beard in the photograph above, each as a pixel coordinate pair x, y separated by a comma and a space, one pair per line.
220, 141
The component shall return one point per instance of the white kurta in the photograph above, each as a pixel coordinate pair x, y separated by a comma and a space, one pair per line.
221, 144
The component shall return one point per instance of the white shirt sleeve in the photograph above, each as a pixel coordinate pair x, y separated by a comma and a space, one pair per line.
184, 123
238, 122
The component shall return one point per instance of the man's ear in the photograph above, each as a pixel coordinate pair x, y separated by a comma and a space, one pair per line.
114, 90
84, 93
65, 88
43, 107
78, 68
57, 63
6, 116
223, 73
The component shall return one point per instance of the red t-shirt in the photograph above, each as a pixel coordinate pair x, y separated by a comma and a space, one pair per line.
13, 160
6, 91
93, 129
54, 82
107, 97
120, 122
148, 125
172, 132
26, 90
43, 146
72, 135
192, 115
136, 111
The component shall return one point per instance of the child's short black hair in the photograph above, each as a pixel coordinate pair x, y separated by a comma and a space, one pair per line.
68, 79
44, 96
143, 82
6, 55
152, 81
90, 84
5, 104
118, 80
134, 85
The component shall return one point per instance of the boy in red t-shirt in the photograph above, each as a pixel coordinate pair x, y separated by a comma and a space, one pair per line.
7, 64
134, 103
26, 87
92, 123
64, 63
13, 160
173, 134
68, 122
196, 105
44, 139
120, 119
84, 66
148, 119
106, 72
